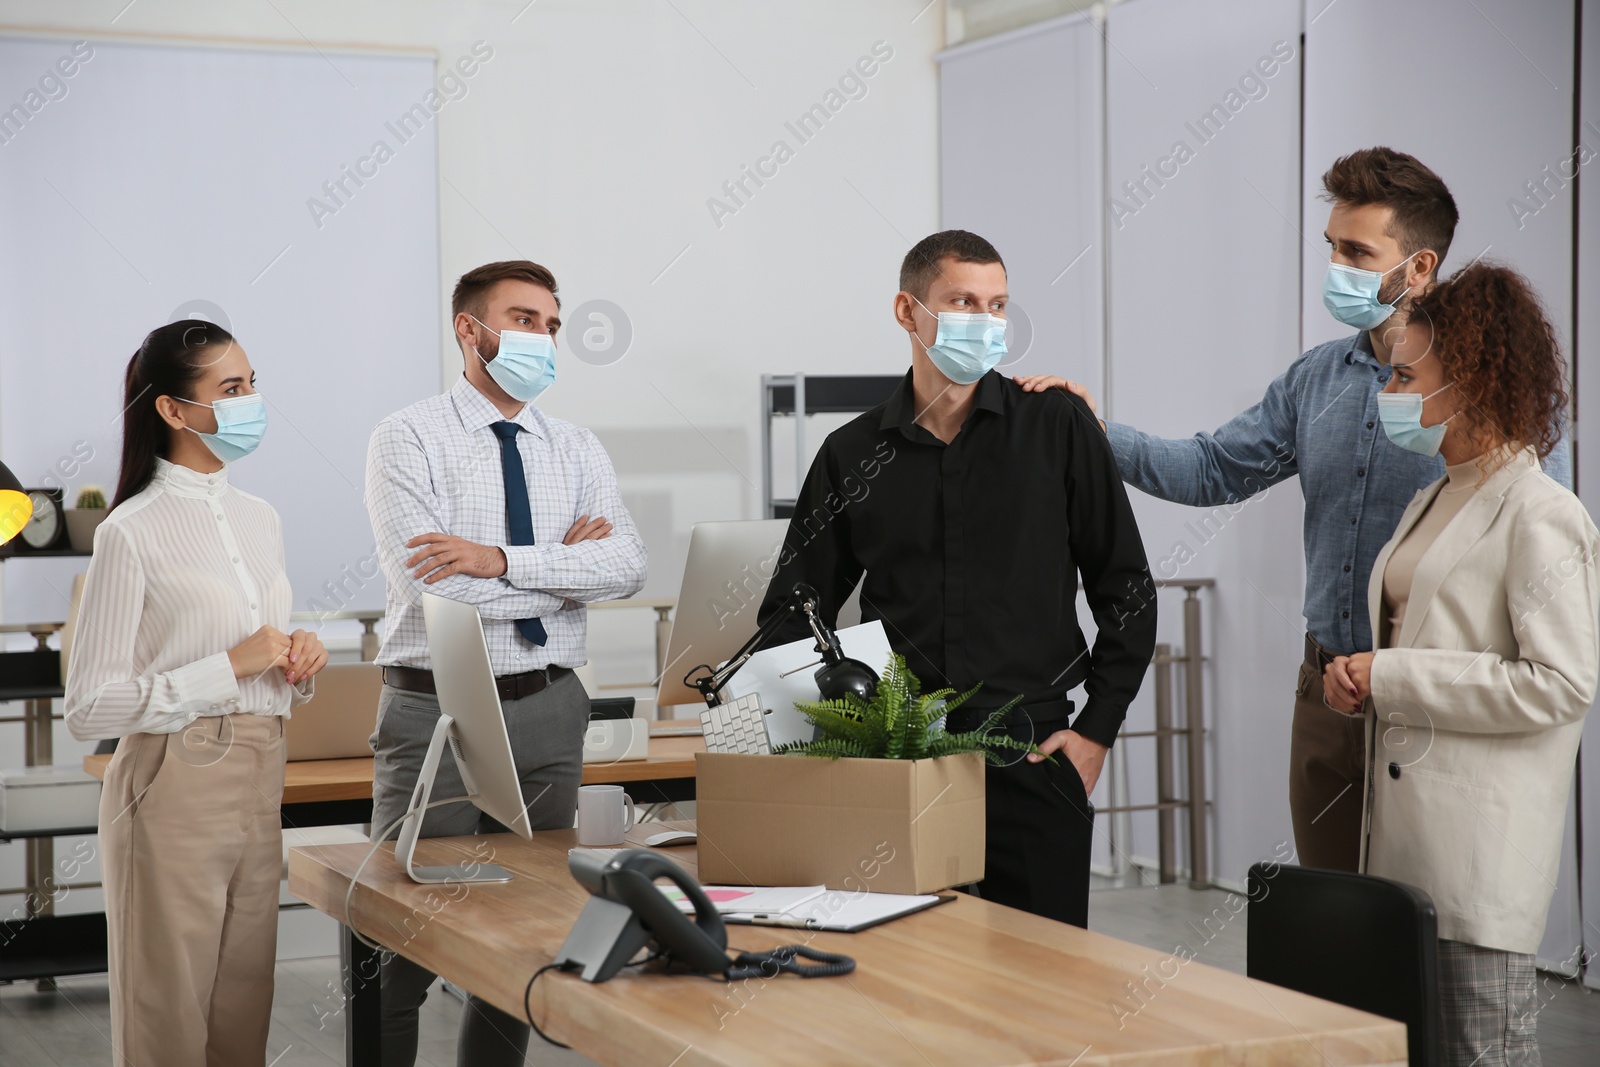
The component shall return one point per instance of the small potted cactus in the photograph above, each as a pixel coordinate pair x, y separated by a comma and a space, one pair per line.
83, 519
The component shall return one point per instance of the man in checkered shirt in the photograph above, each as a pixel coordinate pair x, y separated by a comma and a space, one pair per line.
479, 496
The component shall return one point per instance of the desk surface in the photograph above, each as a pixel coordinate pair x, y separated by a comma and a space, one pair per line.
312, 781
969, 983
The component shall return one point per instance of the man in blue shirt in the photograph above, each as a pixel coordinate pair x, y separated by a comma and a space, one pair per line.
1389, 229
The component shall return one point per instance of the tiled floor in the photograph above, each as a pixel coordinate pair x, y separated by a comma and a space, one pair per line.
67, 1028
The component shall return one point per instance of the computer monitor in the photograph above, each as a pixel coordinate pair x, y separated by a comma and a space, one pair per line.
724, 582
473, 724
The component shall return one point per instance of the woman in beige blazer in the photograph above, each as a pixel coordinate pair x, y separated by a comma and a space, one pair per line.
1484, 604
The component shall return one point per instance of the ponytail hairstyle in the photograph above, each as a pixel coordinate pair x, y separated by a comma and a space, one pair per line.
168, 363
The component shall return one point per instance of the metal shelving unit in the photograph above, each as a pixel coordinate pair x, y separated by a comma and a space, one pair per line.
800, 395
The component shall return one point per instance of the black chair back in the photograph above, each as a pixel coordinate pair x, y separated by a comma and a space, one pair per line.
1361, 941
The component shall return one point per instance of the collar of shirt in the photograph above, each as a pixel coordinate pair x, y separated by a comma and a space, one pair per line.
179, 480
477, 413
901, 410
1361, 349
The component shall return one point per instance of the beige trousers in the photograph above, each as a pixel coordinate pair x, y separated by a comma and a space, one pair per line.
191, 854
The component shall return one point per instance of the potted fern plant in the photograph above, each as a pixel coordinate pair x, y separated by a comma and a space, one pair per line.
86, 517
900, 722
895, 804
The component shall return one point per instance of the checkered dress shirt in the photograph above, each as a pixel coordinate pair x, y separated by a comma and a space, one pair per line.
435, 467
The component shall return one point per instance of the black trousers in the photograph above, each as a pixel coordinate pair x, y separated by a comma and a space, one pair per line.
1040, 828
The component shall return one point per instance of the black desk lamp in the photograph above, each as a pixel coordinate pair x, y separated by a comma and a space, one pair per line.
838, 675
16, 507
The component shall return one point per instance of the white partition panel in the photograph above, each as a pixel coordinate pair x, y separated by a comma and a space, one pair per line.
1483, 94
1203, 193
1480, 92
1587, 453
1020, 153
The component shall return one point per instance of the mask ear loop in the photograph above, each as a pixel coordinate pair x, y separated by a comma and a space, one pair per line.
1383, 274
197, 404
917, 335
1436, 392
486, 326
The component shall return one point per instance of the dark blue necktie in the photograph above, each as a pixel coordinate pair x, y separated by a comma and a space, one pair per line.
519, 517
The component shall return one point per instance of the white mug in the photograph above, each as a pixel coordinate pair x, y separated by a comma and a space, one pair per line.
605, 813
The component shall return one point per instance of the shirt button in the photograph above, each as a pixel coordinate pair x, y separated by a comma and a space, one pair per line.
236, 559
1353, 520
1361, 472
1347, 568
1369, 425
1346, 614
1394, 770
253, 607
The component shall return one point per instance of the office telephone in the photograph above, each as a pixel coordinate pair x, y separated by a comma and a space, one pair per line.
626, 912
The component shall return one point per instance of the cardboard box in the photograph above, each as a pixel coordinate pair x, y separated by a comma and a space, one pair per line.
885, 826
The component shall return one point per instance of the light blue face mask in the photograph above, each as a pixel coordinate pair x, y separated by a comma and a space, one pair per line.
1401, 415
1351, 294
241, 423
967, 346
525, 365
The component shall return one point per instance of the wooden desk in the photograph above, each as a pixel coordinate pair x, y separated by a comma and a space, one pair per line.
666, 774
968, 983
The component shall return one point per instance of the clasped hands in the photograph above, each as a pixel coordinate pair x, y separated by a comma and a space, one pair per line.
1347, 682
440, 555
300, 654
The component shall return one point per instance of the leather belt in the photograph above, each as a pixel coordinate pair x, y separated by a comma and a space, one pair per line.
965, 718
1317, 657
510, 686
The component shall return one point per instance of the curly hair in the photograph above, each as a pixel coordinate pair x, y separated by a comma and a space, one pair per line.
1496, 344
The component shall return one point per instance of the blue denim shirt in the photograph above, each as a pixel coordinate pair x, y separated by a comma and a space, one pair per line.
1319, 420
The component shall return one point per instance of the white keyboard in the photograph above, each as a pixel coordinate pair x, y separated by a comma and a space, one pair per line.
739, 726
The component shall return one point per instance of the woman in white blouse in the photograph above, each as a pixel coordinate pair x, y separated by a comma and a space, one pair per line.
1486, 608
181, 653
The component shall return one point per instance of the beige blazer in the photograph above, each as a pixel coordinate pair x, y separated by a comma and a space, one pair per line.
1476, 711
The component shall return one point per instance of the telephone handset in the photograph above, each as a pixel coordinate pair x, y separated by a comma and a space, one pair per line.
626, 912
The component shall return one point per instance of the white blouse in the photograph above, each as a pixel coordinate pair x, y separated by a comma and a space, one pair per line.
182, 572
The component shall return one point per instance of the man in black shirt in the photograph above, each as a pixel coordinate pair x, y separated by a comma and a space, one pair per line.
973, 508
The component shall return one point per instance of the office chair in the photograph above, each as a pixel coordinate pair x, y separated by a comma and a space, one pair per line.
1354, 939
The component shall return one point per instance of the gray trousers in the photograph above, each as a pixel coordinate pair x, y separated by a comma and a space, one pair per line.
546, 732
1488, 1005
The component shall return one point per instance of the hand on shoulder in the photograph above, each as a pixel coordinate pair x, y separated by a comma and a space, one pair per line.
1038, 383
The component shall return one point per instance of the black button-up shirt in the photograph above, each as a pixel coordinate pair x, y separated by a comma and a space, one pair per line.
972, 550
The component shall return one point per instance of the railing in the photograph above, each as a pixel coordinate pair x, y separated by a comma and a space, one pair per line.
368, 617
1167, 801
